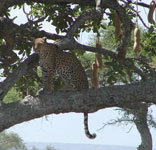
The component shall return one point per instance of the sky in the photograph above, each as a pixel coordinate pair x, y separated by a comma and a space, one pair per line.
68, 128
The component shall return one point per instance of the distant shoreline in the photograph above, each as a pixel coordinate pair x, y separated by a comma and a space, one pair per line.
74, 146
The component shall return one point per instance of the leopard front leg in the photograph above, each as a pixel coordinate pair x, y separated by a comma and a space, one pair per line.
48, 80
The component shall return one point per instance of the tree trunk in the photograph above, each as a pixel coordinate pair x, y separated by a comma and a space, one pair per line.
142, 126
146, 138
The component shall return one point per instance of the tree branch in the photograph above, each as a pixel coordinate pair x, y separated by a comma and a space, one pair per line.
76, 101
138, 3
6, 24
137, 13
126, 33
91, 14
142, 126
23, 68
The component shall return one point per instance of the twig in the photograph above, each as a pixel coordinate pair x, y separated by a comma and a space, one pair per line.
137, 15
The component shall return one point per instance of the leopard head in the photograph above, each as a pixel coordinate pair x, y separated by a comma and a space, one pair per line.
37, 44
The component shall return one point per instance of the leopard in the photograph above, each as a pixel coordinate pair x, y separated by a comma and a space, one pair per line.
54, 61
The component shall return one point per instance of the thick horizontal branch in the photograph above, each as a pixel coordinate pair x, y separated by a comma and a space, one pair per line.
79, 101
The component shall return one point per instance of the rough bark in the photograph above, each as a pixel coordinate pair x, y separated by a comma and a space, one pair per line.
146, 138
81, 101
142, 126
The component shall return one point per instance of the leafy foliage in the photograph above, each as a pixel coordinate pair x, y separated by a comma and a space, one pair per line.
12, 96
50, 148
11, 141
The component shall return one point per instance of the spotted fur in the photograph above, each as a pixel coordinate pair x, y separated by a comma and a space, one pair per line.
53, 61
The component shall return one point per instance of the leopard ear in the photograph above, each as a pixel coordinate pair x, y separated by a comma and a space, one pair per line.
45, 39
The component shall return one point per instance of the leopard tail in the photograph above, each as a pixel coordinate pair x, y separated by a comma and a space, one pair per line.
88, 134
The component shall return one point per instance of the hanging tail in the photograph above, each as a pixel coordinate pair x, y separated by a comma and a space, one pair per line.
88, 134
